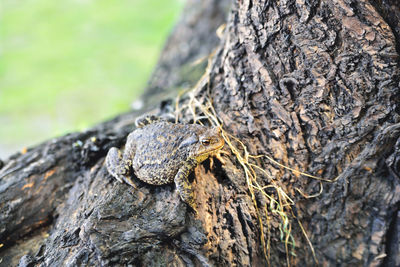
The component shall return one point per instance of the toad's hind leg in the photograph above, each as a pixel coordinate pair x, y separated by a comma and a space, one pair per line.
119, 166
182, 183
113, 161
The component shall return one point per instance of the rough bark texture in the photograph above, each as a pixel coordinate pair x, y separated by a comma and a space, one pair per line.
314, 84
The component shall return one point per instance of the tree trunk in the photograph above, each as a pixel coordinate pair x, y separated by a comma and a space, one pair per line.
306, 85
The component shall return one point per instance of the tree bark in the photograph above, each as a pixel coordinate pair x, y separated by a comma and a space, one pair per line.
312, 84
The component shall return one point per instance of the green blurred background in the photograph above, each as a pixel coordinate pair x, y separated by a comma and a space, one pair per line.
66, 65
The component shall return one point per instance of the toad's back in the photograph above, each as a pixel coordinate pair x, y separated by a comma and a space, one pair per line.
160, 150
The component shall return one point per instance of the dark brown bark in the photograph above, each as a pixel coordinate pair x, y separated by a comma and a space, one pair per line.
314, 84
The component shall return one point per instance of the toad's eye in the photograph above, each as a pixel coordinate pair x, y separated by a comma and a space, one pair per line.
205, 142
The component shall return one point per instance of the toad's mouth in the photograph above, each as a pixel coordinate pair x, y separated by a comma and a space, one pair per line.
220, 147
214, 149
210, 153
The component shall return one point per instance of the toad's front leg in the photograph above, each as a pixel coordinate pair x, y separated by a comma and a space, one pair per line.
182, 183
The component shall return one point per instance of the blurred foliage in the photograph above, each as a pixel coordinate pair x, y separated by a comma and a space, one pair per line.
65, 65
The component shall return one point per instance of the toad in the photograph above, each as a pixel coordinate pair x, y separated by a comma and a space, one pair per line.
160, 152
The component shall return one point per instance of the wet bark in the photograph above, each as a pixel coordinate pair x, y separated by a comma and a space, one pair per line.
313, 84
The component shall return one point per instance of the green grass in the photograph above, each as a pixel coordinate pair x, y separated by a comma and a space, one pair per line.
65, 65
